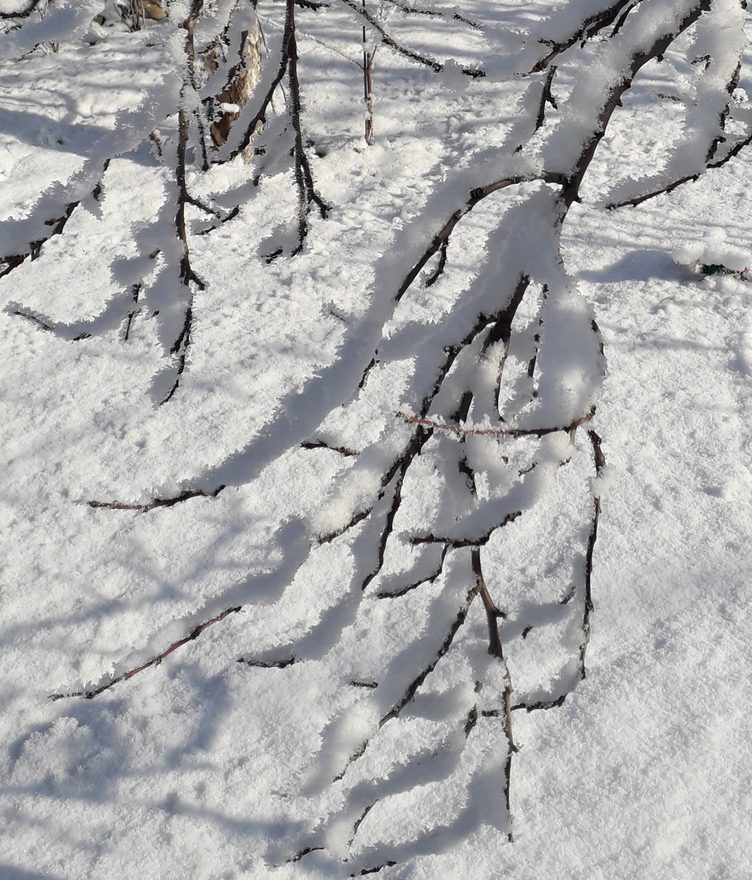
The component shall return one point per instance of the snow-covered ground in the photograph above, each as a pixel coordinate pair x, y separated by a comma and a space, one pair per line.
217, 665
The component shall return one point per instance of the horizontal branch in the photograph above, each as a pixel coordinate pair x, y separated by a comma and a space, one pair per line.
46, 325
537, 705
463, 431
268, 664
322, 444
157, 502
474, 541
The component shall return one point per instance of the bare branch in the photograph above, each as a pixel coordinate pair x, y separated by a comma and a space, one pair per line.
389, 41
434, 13
589, 28
153, 661
155, 503
23, 12
689, 178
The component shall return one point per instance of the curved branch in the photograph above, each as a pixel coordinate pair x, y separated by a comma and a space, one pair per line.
25, 12
639, 59
589, 28
688, 178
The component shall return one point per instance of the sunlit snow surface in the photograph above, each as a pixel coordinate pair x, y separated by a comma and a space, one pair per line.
202, 766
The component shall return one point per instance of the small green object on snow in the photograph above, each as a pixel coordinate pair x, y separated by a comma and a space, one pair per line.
719, 269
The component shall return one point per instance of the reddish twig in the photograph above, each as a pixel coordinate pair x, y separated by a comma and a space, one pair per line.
472, 431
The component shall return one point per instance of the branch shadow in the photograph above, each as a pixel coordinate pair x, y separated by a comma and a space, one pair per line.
640, 266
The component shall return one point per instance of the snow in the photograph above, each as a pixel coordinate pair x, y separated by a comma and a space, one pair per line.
288, 670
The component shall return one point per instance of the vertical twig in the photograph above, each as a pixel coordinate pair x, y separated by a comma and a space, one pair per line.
307, 194
188, 278
367, 84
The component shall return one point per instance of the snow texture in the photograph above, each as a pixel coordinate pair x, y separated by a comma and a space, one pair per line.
375, 509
